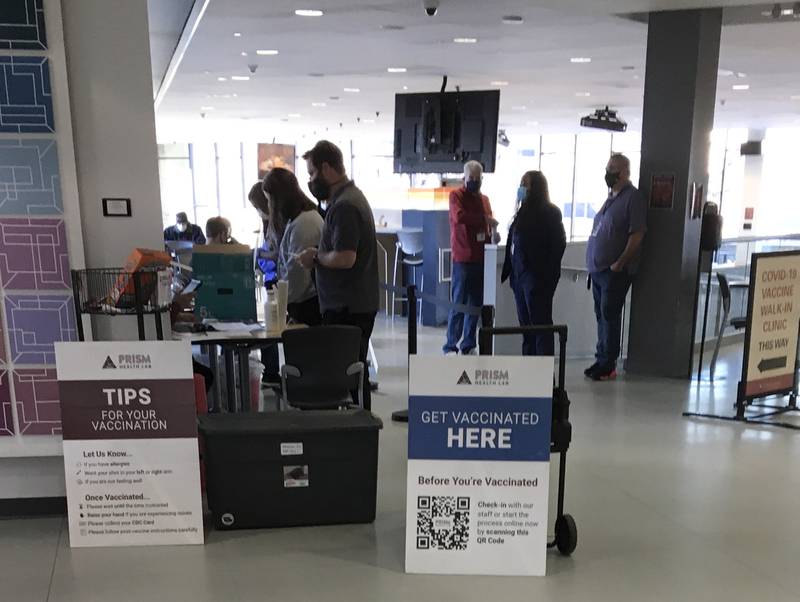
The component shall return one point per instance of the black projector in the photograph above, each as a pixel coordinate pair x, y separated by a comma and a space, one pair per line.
604, 119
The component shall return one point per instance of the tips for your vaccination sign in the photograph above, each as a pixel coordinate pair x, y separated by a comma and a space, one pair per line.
478, 465
130, 443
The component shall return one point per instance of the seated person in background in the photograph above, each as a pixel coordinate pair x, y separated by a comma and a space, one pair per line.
184, 230
288, 205
218, 232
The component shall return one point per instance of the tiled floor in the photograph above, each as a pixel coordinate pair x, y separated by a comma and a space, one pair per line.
667, 508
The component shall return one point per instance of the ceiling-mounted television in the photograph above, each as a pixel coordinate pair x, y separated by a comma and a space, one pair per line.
438, 132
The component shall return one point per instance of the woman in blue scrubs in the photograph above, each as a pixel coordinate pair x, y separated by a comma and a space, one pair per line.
534, 248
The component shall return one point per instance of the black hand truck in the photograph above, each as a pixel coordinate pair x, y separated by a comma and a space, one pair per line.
566, 531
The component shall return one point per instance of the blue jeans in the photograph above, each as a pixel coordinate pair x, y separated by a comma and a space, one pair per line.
466, 289
609, 290
534, 299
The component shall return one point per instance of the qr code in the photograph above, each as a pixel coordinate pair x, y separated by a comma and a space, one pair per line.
442, 522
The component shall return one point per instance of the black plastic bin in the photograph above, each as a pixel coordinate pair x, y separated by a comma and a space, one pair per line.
284, 469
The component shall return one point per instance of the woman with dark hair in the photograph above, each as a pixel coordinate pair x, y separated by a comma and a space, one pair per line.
302, 228
535, 246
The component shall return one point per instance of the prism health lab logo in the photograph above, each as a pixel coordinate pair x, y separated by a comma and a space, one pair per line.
485, 377
128, 361
464, 379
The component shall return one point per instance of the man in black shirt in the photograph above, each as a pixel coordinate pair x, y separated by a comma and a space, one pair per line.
346, 263
184, 230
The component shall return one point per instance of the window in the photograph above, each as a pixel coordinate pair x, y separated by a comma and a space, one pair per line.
591, 157
558, 162
777, 210
204, 172
726, 178
175, 177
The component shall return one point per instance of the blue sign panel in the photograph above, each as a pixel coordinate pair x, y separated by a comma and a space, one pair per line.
479, 428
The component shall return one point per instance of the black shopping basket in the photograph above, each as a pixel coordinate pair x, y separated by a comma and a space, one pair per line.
566, 531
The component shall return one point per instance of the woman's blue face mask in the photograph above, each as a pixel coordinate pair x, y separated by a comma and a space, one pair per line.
522, 192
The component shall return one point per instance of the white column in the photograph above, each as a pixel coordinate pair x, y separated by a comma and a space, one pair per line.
110, 89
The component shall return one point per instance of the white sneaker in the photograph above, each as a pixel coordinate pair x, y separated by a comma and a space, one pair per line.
446, 353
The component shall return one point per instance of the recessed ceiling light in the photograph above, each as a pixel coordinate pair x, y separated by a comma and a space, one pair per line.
237, 34
240, 78
308, 12
234, 95
206, 108
583, 94
405, 87
465, 40
266, 52
295, 115
396, 69
513, 20
244, 54
741, 86
222, 79
318, 104
354, 90
741, 75
724, 72
498, 83
580, 59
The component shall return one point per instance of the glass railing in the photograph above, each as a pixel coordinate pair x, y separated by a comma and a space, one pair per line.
733, 259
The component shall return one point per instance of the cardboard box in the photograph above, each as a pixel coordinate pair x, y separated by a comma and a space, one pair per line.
122, 295
228, 291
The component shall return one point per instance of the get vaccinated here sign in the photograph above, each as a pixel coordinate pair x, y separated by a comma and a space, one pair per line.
478, 465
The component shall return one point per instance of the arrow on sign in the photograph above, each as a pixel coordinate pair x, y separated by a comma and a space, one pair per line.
772, 363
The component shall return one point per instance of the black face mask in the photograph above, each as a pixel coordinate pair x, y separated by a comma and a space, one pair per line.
319, 188
611, 178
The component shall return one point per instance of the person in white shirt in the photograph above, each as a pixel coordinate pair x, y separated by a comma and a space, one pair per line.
303, 229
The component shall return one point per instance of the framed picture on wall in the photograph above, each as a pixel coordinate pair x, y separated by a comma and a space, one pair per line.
662, 191
275, 155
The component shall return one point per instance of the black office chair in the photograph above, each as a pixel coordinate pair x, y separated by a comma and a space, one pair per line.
322, 367
738, 323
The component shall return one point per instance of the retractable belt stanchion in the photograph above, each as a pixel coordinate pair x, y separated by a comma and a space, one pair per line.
411, 294
486, 313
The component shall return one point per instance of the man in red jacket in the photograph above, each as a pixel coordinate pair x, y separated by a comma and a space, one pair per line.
471, 225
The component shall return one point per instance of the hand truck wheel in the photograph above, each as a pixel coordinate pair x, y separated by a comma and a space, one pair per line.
566, 534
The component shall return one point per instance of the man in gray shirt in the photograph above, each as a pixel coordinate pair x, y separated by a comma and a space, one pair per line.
346, 262
612, 258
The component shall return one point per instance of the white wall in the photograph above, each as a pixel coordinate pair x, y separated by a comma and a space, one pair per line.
108, 62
